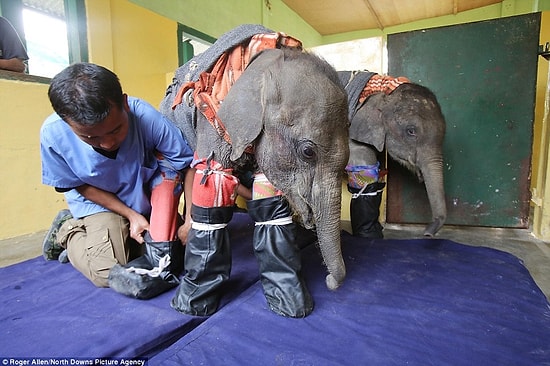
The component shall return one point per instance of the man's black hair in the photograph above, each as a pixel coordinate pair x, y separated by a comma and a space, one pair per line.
84, 93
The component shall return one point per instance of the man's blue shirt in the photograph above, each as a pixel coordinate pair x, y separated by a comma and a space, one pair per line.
68, 162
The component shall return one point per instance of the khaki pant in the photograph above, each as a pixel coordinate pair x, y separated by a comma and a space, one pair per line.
96, 243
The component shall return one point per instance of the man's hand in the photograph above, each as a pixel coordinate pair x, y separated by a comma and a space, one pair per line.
138, 226
183, 231
138, 223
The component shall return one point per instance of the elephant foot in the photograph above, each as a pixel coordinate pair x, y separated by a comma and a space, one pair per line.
374, 232
332, 283
433, 228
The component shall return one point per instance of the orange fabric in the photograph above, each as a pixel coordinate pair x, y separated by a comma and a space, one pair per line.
262, 188
213, 186
165, 199
212, 86
381, 84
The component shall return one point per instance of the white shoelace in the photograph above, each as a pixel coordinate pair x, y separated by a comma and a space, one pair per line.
155, 272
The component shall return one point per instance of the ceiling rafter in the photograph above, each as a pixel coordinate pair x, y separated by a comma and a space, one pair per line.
373, 12
338, 16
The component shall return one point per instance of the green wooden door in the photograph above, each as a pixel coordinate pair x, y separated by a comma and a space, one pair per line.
484, 76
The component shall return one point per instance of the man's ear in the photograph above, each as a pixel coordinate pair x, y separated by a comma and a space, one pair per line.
125, 104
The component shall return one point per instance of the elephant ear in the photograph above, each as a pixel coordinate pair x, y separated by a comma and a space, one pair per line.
367, 125
242, 111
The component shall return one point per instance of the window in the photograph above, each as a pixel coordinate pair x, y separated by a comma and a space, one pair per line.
54, 32
192, 42
47, 41
361, 54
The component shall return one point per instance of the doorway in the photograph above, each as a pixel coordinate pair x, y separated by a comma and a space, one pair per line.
484, 76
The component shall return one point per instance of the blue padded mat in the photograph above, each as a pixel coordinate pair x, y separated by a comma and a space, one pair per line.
51, 310
415, 302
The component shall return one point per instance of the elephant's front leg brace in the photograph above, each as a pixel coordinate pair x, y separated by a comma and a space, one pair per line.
276, 251
366, 196
158, 269
207, 253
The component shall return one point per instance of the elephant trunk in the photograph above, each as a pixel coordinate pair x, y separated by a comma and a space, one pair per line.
433, 179
327, 208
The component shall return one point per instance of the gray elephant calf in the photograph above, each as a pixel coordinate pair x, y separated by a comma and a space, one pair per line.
282, 120
406, 120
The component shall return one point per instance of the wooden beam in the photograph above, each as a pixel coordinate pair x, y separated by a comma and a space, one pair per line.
376, 17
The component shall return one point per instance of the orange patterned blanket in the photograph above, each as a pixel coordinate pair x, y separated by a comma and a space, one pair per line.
212, 86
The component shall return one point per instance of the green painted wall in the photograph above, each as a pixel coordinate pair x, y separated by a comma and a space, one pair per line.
199, 14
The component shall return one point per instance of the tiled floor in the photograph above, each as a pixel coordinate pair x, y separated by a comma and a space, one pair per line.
533, 252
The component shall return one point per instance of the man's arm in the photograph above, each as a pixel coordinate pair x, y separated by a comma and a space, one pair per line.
13, 52
183, 230
138, 223
13, 64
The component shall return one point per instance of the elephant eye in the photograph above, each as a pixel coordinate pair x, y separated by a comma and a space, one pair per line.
411, 130
307, 150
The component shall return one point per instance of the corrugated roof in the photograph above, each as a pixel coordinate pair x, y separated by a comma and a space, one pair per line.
51, 7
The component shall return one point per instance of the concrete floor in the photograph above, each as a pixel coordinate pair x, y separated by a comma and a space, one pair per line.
534, 253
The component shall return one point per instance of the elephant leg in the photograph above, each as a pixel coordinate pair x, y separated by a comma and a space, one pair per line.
151, 274
278, 254
158, 269
207, 261
365, 202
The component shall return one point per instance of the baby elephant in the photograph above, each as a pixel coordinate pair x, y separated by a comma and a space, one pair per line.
406, 120
277, 120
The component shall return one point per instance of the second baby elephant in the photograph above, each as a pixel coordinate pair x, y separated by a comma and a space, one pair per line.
405, 119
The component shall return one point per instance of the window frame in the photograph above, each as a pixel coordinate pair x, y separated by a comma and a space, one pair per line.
185, 49
75, 17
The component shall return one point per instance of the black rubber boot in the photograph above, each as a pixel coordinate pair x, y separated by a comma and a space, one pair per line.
135, 283
365, 210
207, 262
279, 258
